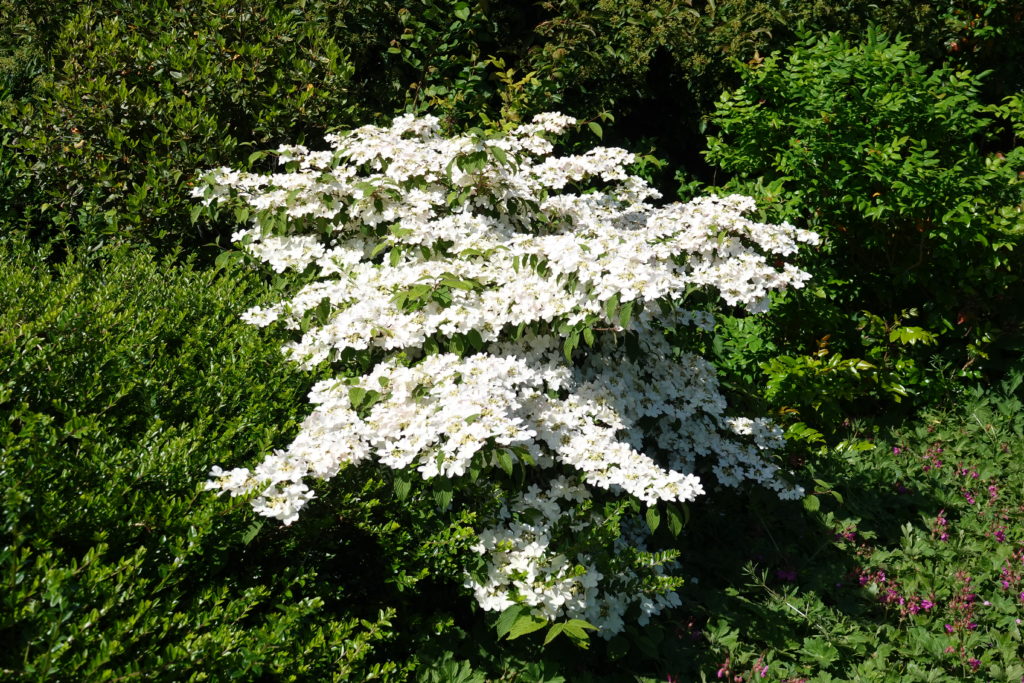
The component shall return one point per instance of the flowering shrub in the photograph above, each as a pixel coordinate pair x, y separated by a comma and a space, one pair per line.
487, 309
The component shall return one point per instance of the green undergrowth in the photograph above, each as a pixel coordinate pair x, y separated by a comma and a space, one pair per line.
906, 561
126, 378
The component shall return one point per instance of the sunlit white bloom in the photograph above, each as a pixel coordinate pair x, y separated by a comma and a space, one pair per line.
430, 252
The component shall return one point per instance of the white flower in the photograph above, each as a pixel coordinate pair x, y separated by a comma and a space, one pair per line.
411, 238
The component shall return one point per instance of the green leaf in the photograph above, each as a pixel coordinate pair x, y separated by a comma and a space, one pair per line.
505, 461
675, 519
595, 128
553, 633
625, 313
226, 259
251, 532
811, 503
653, 518
466, 285
499, 154
571, 342
356, 395
525, 624
457, 345
462, 11
403, 485
578, 628
611, 306
911, 336
508, 618
443, 497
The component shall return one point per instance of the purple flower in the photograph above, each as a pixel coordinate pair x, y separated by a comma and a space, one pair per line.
949, 628
974, 663
785, 574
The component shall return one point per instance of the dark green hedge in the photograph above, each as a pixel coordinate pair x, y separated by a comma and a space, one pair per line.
126, 378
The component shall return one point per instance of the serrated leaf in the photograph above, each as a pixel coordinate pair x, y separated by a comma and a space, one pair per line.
457, 345
611, 306
251, 532
499, 154
443, 497
553, 633
508, 618
226, 258
505, 461
459, 284
356, 395
525, 624
403, 486
578, 628
570, 344
625, 313
653, 518
675, 520
811, 503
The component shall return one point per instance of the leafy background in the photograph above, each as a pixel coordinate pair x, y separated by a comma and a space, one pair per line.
893, 128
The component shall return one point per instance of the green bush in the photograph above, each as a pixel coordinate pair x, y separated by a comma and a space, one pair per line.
125, 379
881, 154
132, 98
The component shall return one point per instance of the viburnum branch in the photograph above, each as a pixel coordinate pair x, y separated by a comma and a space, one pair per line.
486, 275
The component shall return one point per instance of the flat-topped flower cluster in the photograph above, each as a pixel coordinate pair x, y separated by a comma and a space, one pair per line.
513, 306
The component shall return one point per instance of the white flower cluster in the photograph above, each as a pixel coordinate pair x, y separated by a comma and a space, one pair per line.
473, 266
524, 562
